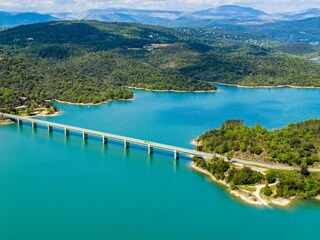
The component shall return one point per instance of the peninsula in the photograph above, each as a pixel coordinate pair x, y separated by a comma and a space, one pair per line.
294, 145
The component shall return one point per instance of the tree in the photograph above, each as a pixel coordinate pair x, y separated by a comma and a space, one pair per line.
304, 170
271, 176
266, 190
230, 155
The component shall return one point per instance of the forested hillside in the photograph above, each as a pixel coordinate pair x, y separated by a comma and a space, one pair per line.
296, 144
92, 62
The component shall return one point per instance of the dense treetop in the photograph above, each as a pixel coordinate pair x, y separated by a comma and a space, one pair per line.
295, 144
302, 184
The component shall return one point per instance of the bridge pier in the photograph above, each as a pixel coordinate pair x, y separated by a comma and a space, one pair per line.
104, 140
84, 136
150, 149
125, 144
66, 132
34, 125
49, 128
19, 122
176, 155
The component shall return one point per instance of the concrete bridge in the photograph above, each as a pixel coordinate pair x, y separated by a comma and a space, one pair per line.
127, 141
150, 146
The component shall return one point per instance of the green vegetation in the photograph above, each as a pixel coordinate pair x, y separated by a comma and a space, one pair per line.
222, 170
287, 183
293, 183
93, 62
296, 144
266, 191
82, 62
305, 30
297, 48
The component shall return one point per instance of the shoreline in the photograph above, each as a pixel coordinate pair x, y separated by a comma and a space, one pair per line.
91, 104
174, 91
42, 114
6, 122
265, 87
245, 196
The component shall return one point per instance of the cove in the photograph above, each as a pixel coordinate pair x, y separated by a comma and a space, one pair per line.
52, 187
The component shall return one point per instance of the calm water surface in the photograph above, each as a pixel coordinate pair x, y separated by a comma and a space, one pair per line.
52, 187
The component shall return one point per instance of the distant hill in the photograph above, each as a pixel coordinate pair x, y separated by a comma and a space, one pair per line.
306, 30
302, 26
92, 62
229, 12
8, 19
224, 12
123, 15
309, 13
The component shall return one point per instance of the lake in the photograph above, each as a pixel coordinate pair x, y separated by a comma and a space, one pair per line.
52, 187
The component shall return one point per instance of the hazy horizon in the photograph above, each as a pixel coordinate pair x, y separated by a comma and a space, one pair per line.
53, 6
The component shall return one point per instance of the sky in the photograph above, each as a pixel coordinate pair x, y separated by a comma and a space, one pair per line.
270, 6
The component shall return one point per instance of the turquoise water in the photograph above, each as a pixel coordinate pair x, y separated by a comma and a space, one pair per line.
52, 187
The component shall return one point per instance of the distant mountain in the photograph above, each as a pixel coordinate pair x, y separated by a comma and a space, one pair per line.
9, 19
309, 13
302, 26
233, 15
123, 15
229, 12
305, 30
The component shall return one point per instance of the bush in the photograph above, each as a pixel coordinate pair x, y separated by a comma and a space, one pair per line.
266, 190
230, 155
271, 176
256, 150
244, 176
232, 186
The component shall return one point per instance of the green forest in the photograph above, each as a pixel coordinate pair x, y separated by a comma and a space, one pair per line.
93, 62
296, 144
302, 184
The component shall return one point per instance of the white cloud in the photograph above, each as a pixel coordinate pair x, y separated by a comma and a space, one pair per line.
80, 5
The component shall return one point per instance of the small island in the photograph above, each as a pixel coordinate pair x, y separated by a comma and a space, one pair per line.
295, 145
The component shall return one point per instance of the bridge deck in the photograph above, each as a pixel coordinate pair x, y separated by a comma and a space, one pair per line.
105, 135
170, 148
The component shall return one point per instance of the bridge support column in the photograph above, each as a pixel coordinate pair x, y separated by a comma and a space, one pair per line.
176, 155
150, 149
19, 122
66, 132
34, 125
125, 144
104, 140
49, 128
84, 136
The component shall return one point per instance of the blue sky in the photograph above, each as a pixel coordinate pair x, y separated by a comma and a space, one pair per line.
189, 5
